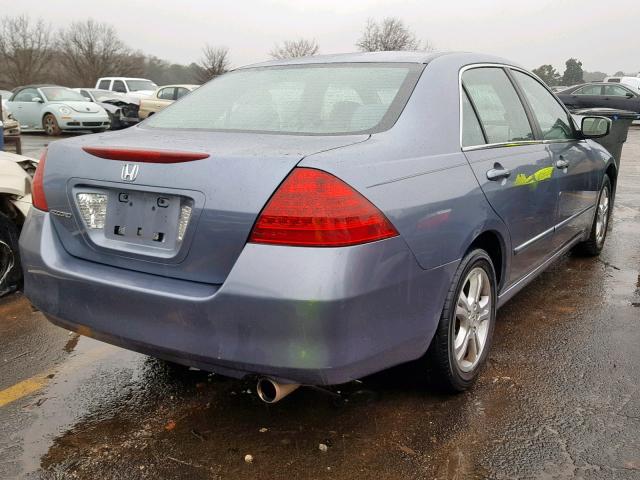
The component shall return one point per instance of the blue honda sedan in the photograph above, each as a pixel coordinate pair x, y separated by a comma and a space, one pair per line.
315, 220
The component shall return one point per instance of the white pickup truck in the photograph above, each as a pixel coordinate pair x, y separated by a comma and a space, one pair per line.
134, 87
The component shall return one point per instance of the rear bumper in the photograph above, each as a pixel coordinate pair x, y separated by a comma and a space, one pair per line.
313, 316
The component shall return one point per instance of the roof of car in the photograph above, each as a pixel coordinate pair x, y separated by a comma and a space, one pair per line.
358, 57
384, 57
38, 85
184, 85
122, 78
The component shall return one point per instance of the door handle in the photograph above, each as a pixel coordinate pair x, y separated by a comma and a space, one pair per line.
562, 163
498, 172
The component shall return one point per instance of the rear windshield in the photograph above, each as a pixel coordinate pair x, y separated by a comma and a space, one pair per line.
328, 99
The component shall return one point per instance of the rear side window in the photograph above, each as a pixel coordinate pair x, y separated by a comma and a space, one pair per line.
589, 90
471, 131
104, 85
166, 93
500, 110
181, 92
318, 99
552, 118
118, 86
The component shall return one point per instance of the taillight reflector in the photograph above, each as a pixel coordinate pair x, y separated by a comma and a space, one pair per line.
313, 208
38, 198
144, 155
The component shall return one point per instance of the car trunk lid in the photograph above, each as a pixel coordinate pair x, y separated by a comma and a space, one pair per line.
222, 194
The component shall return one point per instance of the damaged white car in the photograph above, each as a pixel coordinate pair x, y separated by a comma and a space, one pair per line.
16, 174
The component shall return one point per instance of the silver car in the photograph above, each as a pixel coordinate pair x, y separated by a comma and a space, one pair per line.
53, 109
315, 220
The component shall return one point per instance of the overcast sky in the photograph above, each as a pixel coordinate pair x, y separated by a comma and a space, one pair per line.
602, 34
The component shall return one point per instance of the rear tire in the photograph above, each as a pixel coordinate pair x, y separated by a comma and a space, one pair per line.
598, 234
10, 269
50, 125
463, 338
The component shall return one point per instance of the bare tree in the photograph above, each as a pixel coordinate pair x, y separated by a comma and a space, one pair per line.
25, 50
295, 48
215, 61
89, 50
389, 34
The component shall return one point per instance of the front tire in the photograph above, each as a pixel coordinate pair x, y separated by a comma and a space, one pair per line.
50, 125
598, 234
463, 338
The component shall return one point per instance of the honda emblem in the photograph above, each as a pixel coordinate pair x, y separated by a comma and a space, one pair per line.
129, 172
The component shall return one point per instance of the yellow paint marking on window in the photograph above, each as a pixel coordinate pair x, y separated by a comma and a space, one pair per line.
22, 389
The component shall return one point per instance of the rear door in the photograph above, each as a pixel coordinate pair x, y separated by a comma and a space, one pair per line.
588, 96
513, 168
575, 171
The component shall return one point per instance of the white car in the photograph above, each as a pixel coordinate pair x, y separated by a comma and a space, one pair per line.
631, 82
16, 172
53, 109
134, 87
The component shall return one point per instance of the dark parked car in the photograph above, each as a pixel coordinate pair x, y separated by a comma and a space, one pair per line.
597, 94
315, 220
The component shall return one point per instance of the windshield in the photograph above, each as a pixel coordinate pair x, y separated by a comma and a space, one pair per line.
62, 94
137, 85
326, 99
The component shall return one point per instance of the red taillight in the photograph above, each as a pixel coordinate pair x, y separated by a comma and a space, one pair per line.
313, 208
144, 155
38, 197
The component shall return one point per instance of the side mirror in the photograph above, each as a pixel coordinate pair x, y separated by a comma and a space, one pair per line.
37, 100
88, 99
629, 95
595, 127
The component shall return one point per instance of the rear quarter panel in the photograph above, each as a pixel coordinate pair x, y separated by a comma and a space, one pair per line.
417, 174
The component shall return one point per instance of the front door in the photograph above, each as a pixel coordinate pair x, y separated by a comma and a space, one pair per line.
621, 98
25, 109
514, 170
574, 169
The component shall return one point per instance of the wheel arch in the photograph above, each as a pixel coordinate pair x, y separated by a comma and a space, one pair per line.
493, 242
612, 172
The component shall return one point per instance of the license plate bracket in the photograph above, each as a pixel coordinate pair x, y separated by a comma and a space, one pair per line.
143, 218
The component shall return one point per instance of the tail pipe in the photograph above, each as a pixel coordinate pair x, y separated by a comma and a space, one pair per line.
271, 391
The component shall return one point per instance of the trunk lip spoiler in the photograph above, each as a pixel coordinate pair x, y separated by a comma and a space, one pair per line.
144, 155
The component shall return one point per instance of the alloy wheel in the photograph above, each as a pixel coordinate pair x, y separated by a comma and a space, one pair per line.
7, 261
602, 215
472, 319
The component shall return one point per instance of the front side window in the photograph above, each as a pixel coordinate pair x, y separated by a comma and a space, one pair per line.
552, 118
589, 90
166, 93
317, 99
471, 130
615, 91
500, 110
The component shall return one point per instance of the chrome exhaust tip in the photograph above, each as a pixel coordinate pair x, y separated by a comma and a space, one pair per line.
271, 391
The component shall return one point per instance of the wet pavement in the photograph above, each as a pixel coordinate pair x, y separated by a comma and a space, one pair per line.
559, 398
